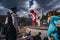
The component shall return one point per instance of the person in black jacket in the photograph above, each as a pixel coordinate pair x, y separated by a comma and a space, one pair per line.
11, 31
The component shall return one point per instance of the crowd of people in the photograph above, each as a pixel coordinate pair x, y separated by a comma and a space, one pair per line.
11, 24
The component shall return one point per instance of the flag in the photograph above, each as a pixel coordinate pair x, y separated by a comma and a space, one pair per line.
30, 3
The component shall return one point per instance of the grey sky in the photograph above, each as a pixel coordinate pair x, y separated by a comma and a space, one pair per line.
46, 5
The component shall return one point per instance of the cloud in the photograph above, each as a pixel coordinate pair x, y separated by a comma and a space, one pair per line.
22, 5
1, 7
52, 2
3, 10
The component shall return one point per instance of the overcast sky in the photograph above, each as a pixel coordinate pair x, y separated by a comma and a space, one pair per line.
22, 5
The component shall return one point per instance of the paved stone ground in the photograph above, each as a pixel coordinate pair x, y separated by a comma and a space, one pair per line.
34, 30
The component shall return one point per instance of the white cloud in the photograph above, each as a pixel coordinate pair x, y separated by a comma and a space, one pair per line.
1, 7
3, 10
57, 6
53, 1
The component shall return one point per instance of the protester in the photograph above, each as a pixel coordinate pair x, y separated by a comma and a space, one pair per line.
11, 31
52, 26
14, 17
33, 14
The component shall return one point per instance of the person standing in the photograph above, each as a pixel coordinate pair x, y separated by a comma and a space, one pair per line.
52, 26
11, 31
14, 18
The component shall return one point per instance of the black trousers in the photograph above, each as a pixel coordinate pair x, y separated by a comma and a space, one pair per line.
11, 33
